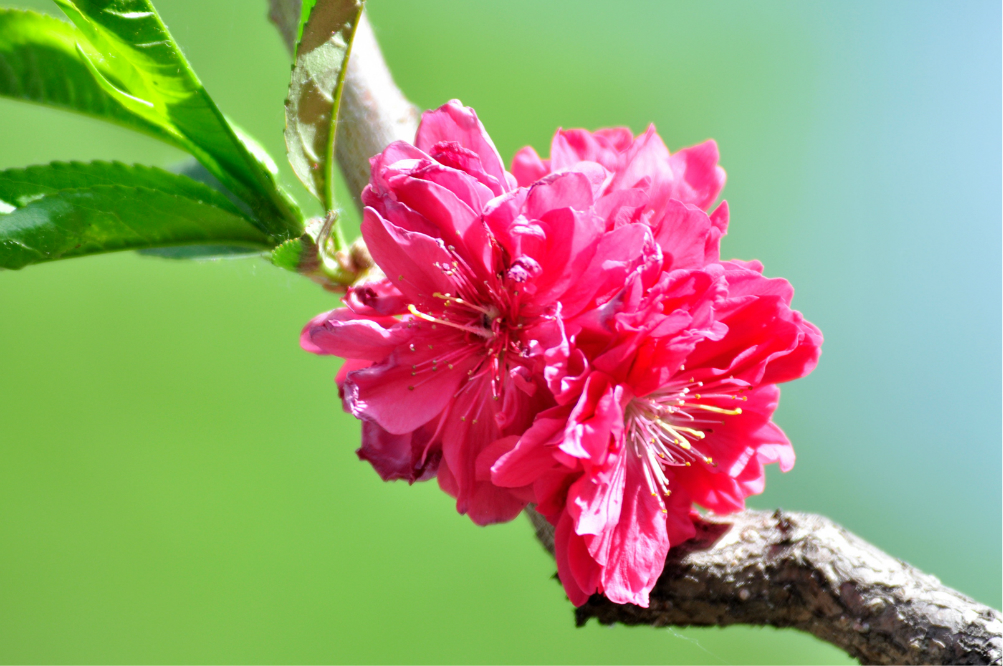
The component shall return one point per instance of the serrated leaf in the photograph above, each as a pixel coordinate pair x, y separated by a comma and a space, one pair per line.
315, 93
20, 187
142, 68
289, 254
39, 63
107, 218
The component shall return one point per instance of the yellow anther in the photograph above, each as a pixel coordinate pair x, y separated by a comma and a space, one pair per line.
719, 410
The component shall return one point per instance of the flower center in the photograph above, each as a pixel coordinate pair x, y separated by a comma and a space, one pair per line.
667, 428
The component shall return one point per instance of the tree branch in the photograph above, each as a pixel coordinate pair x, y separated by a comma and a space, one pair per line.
781, 569
374, 113
804, 571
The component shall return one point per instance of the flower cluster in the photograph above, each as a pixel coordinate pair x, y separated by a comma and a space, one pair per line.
565, 334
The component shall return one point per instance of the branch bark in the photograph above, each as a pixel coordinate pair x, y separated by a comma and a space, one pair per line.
781, 569
804, 571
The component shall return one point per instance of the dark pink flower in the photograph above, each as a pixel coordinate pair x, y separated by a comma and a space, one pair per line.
448, 352
565, 334
674, 407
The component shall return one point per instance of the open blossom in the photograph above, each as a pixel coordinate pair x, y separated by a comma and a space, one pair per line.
674, 408
565, 334
446, 355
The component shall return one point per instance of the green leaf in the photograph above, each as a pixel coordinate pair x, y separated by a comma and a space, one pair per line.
289, 255
151, 78
315, 93
39, 63
200, 252
20, 187
106, 218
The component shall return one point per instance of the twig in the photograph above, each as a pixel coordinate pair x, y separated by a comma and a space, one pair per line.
782, 569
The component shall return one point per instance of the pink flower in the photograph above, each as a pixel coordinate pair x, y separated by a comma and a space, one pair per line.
673, 407
565, 335
447, 353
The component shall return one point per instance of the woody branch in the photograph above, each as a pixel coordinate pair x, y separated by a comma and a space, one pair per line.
760, 568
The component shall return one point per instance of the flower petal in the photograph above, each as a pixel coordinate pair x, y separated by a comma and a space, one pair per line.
697, 177
405, 456
412, 261
527, 167
454, 122
343, 333
414, 384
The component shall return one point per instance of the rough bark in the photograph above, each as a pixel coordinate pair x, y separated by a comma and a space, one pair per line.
804, 571
781, 569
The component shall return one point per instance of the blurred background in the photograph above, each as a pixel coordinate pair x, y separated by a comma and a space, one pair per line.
178, 483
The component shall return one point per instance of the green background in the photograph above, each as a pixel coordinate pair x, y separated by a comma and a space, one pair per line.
178, 483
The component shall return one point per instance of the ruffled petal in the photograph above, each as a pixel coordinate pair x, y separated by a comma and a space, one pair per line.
570, 147
697, 177
454, 122
682, 233
527, 167
531, 456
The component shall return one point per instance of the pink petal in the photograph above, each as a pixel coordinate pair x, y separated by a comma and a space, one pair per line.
468, 428
454, 122
595, 502
532, 454
646, 164
456, 221
622, 207
682, 234
563, 534
343, 333
637, 545
410, 260
377, 298
594, 420
527, 167
568, 189
466, 188
409, 388
697, 176
577, 145
396, 457
719, 222
452, 154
